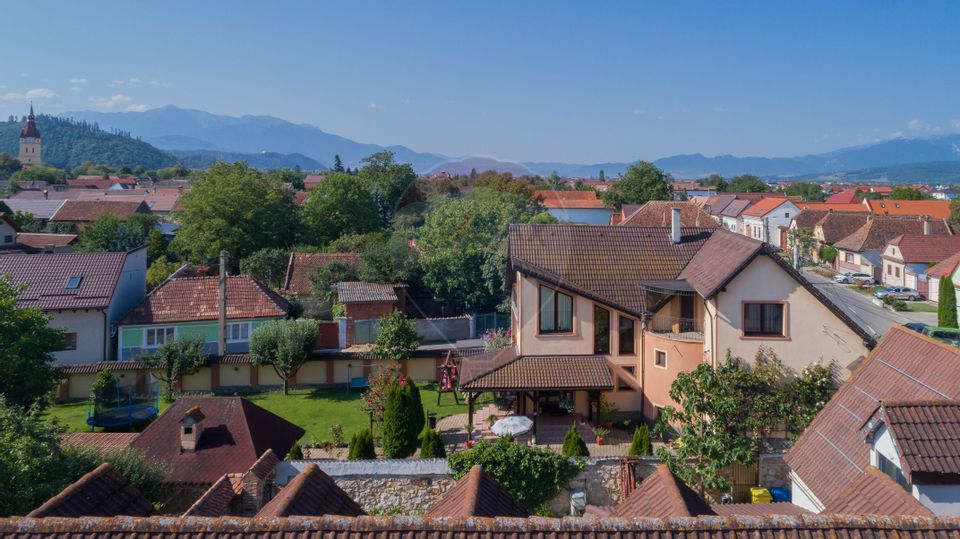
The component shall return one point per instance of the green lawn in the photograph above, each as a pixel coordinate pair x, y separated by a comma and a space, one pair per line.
920, 307
313, 410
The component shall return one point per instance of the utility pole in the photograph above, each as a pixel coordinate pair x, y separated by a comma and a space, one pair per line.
222, 342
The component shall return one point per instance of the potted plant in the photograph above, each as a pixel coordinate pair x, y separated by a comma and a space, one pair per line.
469, 442
600, 432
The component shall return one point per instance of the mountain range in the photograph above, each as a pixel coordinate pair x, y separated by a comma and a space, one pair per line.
202, 136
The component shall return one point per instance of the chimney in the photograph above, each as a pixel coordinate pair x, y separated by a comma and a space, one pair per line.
926, 227
675, 225
46, 194
191, 428
222, 341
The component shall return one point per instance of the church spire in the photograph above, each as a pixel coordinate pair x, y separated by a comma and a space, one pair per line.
31, 110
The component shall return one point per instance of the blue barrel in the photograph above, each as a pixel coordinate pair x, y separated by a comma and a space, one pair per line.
780, 495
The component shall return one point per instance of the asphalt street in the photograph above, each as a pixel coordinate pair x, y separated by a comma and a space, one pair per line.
861, 308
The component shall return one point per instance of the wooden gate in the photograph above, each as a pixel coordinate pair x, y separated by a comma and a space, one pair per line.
742, 478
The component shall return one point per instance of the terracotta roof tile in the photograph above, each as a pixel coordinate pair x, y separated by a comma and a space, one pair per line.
84, 211
663, 495
937, 209
807, 219
660, 213
569, 199
921, 249
604, 263
834, 226
927, 434
364, 527
876, 233
235, 433
945, 266
848, 196
197, 298
302, 265
873, 493
543, 372
41, 241
757, 509
477, 494
735, 208
719, 260
100, 493
904, 365
765, 206
311, 493
824, 206
216, 501
100, 441
360, 292
47, 274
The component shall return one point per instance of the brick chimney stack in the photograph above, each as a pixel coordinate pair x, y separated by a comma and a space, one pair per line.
191, 428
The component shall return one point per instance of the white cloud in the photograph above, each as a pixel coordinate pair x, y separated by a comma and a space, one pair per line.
374, 106
639, 112
137, 82
920, 126
78, 81
134, 82
955, 124
110, 102
139, 107
897, 134
720, 109
39, 94
821, 138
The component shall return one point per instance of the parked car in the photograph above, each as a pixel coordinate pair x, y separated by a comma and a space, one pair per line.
916, 326
898, 292
854, 277
947, 335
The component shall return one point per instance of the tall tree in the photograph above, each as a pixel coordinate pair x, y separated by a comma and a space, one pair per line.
715, 180
323, 279
640, 183
340, 205
909, 193
809, 191
174, 360
267, 266
392, 184
947, 304
337, 164
601, 176
109, 234
396, 337
747, 183
234, 208
284, 345
27, 374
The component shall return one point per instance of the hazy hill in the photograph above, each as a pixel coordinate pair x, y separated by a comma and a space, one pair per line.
481, 164
174, 128
928, 172
67, 144
262, 160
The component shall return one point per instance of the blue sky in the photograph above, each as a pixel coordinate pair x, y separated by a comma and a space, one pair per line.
546, 81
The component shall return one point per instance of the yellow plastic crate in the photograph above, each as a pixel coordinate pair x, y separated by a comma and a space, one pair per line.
760, 495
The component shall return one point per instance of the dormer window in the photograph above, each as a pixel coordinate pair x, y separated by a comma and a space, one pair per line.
73, 282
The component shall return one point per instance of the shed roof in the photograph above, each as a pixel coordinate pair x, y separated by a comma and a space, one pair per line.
477, 494
311, 493
101, 493
198, 298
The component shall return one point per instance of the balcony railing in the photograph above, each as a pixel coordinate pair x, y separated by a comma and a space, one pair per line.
681, 329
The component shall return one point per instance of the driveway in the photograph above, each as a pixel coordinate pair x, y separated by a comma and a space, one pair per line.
861, 308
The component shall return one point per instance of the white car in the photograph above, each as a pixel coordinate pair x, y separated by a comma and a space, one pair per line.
852, 277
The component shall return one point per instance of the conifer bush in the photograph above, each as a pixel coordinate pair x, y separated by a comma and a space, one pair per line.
431, 445
361, 446
641, 445
573, 444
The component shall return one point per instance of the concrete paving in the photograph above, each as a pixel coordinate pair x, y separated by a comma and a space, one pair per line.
875, 319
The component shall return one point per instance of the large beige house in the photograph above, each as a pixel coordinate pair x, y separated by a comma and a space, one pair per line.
620, 311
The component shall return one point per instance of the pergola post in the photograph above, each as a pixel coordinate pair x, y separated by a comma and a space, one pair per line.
536, 411
470, 399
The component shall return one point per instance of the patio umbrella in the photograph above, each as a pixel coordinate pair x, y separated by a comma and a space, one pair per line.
513, 425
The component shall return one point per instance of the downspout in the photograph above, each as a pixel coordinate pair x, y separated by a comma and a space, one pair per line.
643, 363
106, 335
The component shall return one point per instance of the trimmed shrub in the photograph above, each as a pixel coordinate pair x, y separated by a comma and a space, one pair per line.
431, 445
641, 445
419, 416
828, 254
573, 444
296, 452
399, 432
361, 446
947, 306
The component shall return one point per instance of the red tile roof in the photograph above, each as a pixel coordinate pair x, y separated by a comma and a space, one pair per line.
904, 365
313, 180
311, 493
101, 493
46, 276
235, 433
922, 249
540, 372
927, 434
197, 298
945, 266
834, 226
85, 211
100, 441
757, 509
359, 292
569, 199
719, 260
877, 232
477, 494
765, 206
663, 495
848, 196
660, 213
42, 241
227, 495
302, 265
855, 207
937, 209
368, 527
873, 493
735, 208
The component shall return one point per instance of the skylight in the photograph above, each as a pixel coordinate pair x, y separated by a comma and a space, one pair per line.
73, 282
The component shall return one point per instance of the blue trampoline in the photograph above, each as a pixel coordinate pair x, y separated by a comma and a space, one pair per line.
116, 407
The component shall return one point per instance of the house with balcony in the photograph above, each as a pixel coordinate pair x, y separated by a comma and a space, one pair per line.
617, 312
190, 307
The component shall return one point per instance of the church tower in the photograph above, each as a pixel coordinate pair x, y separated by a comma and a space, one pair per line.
30, 142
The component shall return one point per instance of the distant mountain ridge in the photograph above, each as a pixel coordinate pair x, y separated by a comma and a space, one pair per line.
174, 128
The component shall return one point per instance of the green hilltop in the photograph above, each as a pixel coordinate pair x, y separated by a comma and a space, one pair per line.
68, 143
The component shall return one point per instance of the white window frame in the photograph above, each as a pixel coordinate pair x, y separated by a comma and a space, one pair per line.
233, 325
163, 330
666, 358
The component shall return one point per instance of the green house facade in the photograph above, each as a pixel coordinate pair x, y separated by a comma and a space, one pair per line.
144, 339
